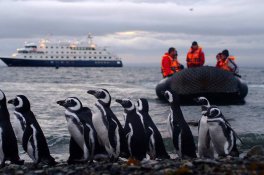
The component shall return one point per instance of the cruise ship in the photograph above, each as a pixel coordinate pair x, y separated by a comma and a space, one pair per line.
63, 54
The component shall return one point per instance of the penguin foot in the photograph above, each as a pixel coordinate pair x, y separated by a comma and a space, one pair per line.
2, 165
18, 162
113, 159
49, 161
74, 161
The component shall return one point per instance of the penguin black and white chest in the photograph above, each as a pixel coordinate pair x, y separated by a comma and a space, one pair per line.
205, 147
110, 131
83, 141
156, 148
180, 131
222, 135
31, 136
134, 130
8, 142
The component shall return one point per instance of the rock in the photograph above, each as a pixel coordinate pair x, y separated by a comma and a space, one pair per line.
256, 151
205, 161
39, 172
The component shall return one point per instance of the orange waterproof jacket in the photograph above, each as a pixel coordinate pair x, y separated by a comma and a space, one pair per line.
169, 66
227, 65
195, 58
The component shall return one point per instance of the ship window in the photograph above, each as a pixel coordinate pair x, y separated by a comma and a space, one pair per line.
30, 56
100, 52
94, 52
25, 56
51, 47
94, 57
46, 51
100, 57
84, 52
67, 57
110, 57
61, 52
90, 52
57, 57
80, 57
57, 47
62, 47
67, 52
46, 56
46, 47
57, 52
74, 57
90, 57
84, 57
40, 56
105, 57
62, 57
51, 57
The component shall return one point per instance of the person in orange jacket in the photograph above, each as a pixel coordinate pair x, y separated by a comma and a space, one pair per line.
170, 63
195, 56
227, 62
218, 60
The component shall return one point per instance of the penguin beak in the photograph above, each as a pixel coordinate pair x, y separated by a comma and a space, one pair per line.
119, 101
61, 102
92, 92
12, 101
196, 100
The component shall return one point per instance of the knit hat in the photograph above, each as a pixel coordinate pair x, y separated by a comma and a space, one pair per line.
225, 53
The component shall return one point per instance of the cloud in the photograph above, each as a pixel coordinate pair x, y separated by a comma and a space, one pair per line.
139, 29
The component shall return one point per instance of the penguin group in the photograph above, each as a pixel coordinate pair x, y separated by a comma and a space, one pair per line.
98, 131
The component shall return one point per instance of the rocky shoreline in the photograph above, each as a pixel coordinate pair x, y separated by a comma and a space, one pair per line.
250, 165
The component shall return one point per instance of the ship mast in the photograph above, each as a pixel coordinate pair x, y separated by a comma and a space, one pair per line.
90, 39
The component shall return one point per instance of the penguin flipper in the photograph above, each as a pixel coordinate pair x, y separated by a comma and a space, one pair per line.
112, 135
76, 153
26, 136
89, 139
151, 143
235, 134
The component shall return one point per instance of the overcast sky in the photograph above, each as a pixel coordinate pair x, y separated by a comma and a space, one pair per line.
140, 30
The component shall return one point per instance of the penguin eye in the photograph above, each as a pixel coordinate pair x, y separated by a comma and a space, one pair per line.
102, 94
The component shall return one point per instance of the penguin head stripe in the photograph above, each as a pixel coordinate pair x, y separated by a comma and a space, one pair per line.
168, 95
2, 95
127, 104
102, 95
139, 105
73, 103
142, 105
203, 101
20, 103
214, 112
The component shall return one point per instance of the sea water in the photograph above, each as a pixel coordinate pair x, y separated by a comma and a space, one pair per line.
45, 86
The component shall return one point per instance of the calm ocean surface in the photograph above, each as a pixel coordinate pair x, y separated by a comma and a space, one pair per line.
44, 86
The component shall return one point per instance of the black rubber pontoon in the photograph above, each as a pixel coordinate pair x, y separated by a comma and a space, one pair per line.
219, 86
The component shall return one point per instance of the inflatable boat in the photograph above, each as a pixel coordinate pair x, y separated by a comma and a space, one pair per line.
219, 86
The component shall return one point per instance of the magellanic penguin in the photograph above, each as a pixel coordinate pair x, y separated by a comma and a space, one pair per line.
222, 135
156, 148
83, 141
205, 146
8, 142
180, 131
29, 132
110, 132
134, 130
